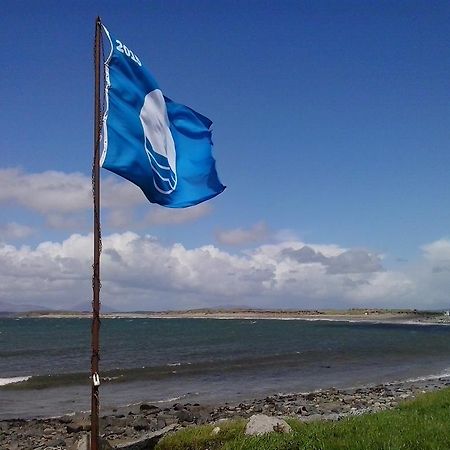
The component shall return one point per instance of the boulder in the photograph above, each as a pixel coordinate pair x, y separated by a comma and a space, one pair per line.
260, 424
146, 442
184, 415
140, 424
150, 409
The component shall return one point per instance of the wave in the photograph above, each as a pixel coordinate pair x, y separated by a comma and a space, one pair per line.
183, 369
307, 362
444, 374
13, 380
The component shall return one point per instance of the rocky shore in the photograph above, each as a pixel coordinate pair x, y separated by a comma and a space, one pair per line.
134, 426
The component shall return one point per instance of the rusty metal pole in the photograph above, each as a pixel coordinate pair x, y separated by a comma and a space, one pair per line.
95, 380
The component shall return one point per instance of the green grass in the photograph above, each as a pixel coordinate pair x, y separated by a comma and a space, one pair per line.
422, 424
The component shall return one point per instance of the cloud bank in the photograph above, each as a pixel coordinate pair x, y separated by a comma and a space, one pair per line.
139, 272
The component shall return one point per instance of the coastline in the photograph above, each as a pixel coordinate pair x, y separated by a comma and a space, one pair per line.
135, 422
403, 317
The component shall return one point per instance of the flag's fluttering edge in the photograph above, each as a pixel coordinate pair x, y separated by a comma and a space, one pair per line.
162, 146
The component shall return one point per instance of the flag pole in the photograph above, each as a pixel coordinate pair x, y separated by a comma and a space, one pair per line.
95, 380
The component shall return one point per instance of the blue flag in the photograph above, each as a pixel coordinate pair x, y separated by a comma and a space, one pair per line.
162, 146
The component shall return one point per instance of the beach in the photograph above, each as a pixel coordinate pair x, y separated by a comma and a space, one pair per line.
136, 423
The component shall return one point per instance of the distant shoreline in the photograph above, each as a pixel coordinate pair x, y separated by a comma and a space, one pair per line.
410, 317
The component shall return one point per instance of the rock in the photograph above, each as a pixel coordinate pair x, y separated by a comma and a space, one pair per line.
140, 424
64, 419
201, 414
74, 428
184, 416
114, 421
151, 409
80, 423
260, 424
164, 420
146, 442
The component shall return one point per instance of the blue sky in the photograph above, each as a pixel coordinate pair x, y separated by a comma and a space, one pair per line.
330, 131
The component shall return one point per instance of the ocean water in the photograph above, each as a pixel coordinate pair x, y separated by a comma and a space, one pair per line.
45, 363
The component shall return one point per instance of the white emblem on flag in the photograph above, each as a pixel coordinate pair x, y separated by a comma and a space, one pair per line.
159, 144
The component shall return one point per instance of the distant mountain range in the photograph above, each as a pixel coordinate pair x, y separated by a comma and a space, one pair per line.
27, 307
21, 307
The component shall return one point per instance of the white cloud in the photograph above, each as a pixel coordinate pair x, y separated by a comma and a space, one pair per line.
438, 251
138, 272
62, 193
65, 200
45, 192
15, 230
432, 275
242, 236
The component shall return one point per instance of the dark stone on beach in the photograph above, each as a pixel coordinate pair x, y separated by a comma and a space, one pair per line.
140, 424
64, 420
115, 421
160, 422
146, 442
74, 428
164, 420
151, 409
184, 416
56, 442
79, 423
201, 414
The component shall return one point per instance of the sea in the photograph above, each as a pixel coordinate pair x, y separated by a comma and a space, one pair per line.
45, 363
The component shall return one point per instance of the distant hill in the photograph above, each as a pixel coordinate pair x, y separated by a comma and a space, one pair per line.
87, 307
21, 307
8, 307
